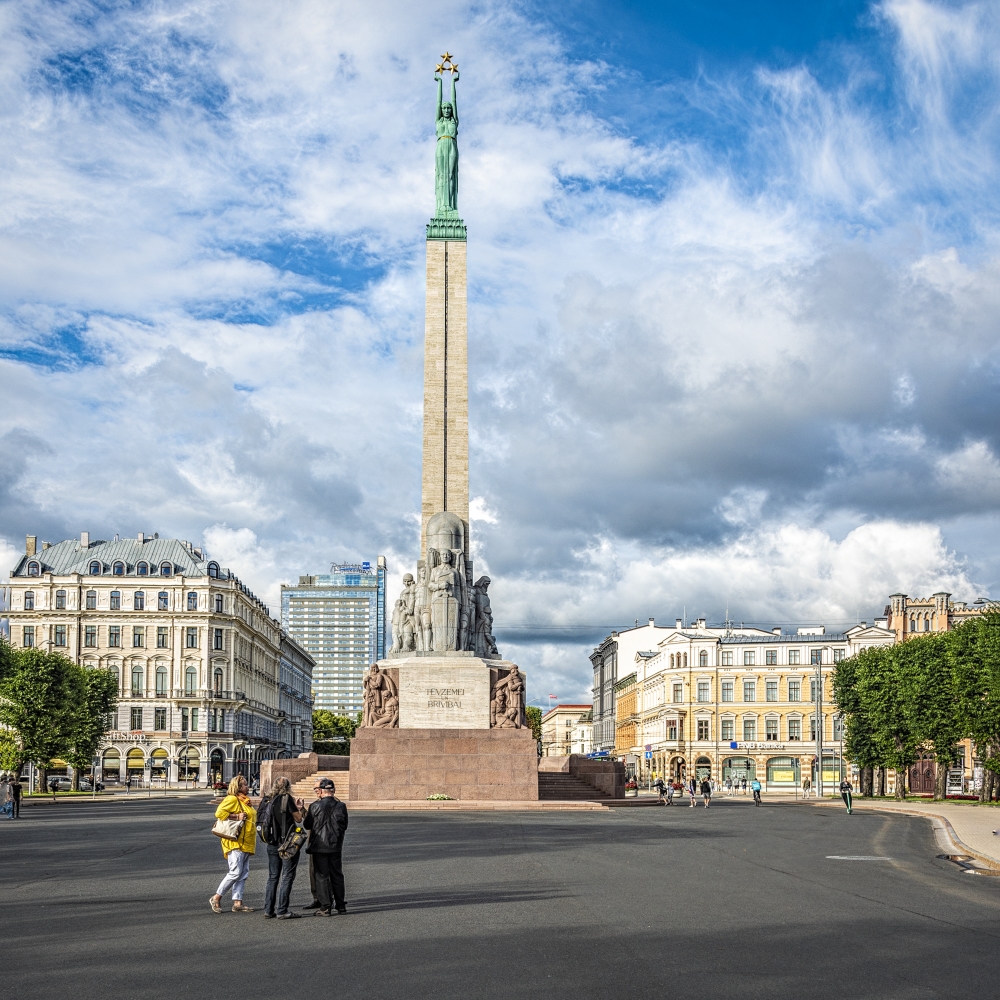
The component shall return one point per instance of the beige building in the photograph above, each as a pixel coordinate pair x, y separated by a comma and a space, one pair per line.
910, 616
559, 725
199, 659
733, 704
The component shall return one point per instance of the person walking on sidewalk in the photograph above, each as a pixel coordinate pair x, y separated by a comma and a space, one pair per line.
660, 790
284, 815
326, 822
845, 794
706, 791
806, 787
692, 790
16, 788
236, 805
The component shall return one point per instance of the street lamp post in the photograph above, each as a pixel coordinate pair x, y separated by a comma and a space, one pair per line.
819, 726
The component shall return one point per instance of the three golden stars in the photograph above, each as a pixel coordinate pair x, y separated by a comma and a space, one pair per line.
446, 65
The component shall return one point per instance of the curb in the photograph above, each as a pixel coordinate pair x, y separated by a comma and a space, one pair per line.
941, 824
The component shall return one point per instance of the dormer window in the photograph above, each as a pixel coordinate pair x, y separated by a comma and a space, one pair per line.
165, 569
29, 600
142, 569
213, 570
95, 568
118, 569
33, 569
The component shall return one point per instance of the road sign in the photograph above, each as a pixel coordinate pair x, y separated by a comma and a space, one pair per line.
649, 755
649, 746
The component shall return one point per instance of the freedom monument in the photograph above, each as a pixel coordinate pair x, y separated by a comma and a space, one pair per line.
444, 713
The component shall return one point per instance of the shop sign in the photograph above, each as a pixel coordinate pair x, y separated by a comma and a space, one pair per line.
125, 738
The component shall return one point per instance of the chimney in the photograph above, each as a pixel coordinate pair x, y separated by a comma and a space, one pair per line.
45, 545
680, 623
701, 623
652, 622
141, 537
84, 539
776, 630
30, 545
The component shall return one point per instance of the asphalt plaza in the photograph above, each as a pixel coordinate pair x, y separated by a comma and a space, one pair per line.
110, 900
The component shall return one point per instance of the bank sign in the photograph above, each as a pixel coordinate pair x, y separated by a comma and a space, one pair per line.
760, 746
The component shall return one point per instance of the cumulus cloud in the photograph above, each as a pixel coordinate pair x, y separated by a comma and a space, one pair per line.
754, 359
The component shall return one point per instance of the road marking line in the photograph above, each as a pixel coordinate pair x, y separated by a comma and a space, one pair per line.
854, 857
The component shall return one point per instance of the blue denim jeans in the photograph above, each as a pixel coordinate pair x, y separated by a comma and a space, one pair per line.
280, 876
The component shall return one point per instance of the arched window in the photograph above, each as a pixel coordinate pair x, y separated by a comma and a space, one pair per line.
703, 658
114, 672
142, 569
139, 601
116, 600
190, 680
165, 569
33, 569
29, 600
927, 624
60, 600
161, 679
192, 601
218, 604
111, 765
118, 569
95, 568
91, 600
218, 680
138, 680
213, 570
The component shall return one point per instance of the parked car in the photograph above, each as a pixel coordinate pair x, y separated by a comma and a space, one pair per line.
86, 786
60, 783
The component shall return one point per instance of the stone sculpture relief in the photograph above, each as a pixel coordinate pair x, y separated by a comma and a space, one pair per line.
442, 611
507, 701
381, 698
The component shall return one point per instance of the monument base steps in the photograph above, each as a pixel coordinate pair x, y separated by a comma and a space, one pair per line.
554, 786
303, 789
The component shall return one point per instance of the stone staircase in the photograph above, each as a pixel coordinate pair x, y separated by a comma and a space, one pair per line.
557, 786
304, 789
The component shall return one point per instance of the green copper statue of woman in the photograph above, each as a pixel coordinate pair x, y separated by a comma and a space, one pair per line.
446, 154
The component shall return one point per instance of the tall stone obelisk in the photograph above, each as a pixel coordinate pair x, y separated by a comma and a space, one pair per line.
445, 477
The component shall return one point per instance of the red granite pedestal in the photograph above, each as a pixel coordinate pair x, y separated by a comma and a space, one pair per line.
397, 765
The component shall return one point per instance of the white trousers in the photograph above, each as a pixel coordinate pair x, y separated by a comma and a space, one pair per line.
236, 877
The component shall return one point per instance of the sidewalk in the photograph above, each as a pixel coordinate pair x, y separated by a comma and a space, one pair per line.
969, 824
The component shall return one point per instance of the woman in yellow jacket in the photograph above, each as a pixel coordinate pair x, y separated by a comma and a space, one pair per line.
236, 805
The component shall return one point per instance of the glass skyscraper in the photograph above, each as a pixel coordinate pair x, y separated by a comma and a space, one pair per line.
339, 618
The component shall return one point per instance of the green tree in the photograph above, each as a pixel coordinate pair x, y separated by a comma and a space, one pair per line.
35, 702
94, 697
534, 714
860, 745
332, 733
929, 693
974, 649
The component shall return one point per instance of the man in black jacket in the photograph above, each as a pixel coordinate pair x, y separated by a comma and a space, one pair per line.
326, 822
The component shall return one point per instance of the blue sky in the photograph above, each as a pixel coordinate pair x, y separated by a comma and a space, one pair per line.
733, 297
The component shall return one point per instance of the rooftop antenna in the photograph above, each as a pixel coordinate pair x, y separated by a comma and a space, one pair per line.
728, 623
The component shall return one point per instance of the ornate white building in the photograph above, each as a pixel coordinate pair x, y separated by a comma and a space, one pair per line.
208, 682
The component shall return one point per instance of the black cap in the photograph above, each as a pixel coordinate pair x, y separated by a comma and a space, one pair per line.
326, 784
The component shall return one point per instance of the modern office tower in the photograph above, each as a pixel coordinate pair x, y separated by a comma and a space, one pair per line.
339, 618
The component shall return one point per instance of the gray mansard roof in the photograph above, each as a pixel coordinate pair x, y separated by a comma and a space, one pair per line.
71, 556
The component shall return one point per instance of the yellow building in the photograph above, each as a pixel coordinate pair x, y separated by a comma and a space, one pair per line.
727, 704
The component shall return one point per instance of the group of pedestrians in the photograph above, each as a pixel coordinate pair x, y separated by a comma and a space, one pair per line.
284, 825
10, 796
665, 791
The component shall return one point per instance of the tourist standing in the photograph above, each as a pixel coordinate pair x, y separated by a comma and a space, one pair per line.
806, 787
284, 815
706, 791
6, 798
670, 793
326, 822
236, 805
845, 794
